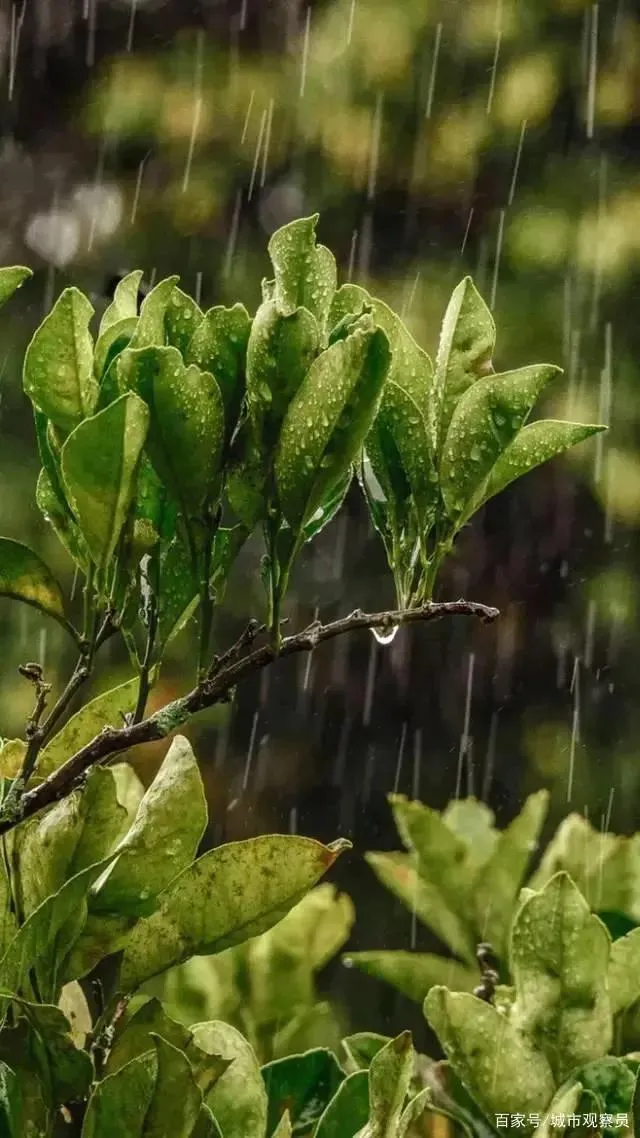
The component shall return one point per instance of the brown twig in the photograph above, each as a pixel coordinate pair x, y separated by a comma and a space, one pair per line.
216, 689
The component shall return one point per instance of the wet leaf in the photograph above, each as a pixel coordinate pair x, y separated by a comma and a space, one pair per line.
624, 971
302, 1084
182, 316
497, 884
186, 422
125, 1096
163, 839
501, 1069
105, 710
536, 443
472, 821
559, 959
227, 544
400, 437
61, 521
280, 350
239, 1099
124, 305
109, 344
105, 820
247, 478
611, 1082
348, 1110
179, 596
175, 1105
305, 273
328, 420
206, 1126
605, 867
414, 973
399, 873
49, 450
361, 1048
58, 364
151, 327
486, 420
219, 346
12, 756
231, 893
389, 1077
41, 1042
11, 278
464, 354
8, 924
440, 852
12, 1119
99, 466
283, 1129
328, 509
25, 577
35, 943
74, 1007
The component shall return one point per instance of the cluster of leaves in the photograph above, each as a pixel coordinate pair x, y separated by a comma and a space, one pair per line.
266, 987
462, 877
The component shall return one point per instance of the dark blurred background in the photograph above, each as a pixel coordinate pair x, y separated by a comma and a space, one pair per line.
499, 138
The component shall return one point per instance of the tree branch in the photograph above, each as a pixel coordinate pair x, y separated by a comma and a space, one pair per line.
216, 688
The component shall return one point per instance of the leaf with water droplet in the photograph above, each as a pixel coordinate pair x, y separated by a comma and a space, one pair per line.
125, 1095
186, 422
348, 1109
465, 349
227, 544
498, 881
414, 973
303, 1084
534, 444
58, 364
399, 441
162, 841
110, 343
11, 279
486, 419
389, 1078
219, 345
25, 577
239, 1099
49, 451
99, 466
125, 301
247, 477
280, 350
105, 710
623, 977
559, 959
61, 521
328, 420
328, 509
182, 316
501, 1069
305, 273
228, 895
151, 331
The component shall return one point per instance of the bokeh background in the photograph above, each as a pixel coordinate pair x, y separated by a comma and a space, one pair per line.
435, 138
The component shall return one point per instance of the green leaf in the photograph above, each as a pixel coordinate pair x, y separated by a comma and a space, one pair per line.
11, 278
12, 756
110, 344
328, 509
605, 867
486, 420
178, 590
125, 1096
151, 326
464, 355
135, 1038
219, 346
182, 316
206, 1126
400, 435
414, 973
361, 1048
534, 444
163, 839
124, 305
230, 894
11, 1120
440, 852
559, 960
399, 873
499, 1066
348, 1110
328, 419
25, 577
472, 821
389, 1077
280, 350
49, 450
8, 924
99, 466
565, 1101
36, 942
247, 477
497, 884
59, 518
283, 1129
302, 1084
281, 963
305, 273
624, 971
175, 1106
58, 364
611, 1081
106, 710
239, 1099
41, 1042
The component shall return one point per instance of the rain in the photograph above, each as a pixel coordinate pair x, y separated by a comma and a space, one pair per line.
496, 139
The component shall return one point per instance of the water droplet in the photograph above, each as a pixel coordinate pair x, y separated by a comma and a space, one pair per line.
385, 636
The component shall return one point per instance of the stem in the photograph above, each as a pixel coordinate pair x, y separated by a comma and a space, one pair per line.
144, 686
210, 691
206, 602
